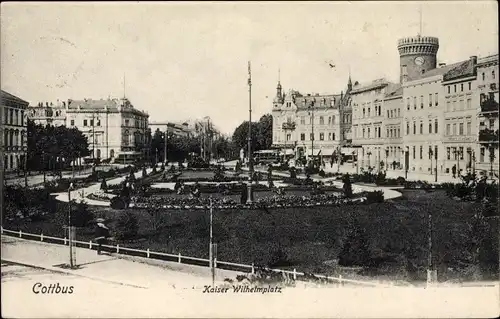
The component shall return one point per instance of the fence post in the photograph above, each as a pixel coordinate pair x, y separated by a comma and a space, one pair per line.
294, 274
253, 269
41, 237
117, 248
90, 244
179, 257
65, 240
147, 253
20, 234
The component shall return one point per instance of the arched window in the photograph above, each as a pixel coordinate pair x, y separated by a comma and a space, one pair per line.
98, 153
333, 120
126, 138
493, 74
483, 76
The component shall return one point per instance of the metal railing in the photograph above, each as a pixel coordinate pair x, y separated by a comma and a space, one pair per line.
190, 260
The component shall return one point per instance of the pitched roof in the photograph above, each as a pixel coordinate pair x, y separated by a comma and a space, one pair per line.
394, 90
437, 71
463, 69
7, 95
375, 84
94, 104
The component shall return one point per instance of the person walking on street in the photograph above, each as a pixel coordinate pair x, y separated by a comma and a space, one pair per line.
454, 171
102, 234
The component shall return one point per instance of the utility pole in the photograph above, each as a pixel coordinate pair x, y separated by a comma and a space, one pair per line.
250, 157
93, 135
165, 147
431, 274
211, 248
70, 236
312, 131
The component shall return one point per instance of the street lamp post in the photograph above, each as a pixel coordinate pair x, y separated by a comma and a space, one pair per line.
407, 161
70, 236
165, 150
250, 156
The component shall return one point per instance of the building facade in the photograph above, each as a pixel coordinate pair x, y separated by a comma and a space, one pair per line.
310, 124
14, 124
177, 129
112, 126
48, 113
368, 129
487, 99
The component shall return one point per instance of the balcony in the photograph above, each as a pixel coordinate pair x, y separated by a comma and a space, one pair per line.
288, 126
489, 105
488, 136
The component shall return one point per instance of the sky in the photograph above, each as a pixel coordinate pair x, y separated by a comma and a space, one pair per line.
188, 60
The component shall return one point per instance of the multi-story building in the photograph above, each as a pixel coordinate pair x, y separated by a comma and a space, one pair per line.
392, 123
112, 126
177, 129
14, 131
53, 114
306, 125
487, 157
368, 112
460, 116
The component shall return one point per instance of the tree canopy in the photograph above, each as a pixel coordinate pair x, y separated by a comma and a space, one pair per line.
262, 134
54, 144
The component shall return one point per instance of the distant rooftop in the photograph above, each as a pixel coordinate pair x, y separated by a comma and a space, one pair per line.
7, 95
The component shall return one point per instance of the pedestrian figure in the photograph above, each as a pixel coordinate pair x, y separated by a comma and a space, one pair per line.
102, 234
454, 171
244, 194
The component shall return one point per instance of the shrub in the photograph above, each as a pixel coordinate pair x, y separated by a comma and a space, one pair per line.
375, 197
127, 226
322, 173
347, 187
81, 216
355, 251
104, 185
117, 203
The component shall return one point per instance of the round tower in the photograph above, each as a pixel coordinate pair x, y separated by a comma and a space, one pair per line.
417, 55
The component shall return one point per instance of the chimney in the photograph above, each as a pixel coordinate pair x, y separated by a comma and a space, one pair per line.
442, 64
473, 58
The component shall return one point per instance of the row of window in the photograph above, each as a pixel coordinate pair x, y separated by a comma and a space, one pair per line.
451, 129
430, 101
394, 113
13, 138
458, 105
13, 117
331, 137
493, 77
461, 86
331, 120
421, 127
367, 111
431, 153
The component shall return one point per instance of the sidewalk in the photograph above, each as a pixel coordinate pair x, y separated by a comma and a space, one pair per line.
80, 194
112, 268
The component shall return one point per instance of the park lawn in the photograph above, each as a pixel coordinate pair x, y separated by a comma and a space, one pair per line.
306, 238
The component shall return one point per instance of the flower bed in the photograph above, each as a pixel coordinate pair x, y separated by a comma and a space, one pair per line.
275, 201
